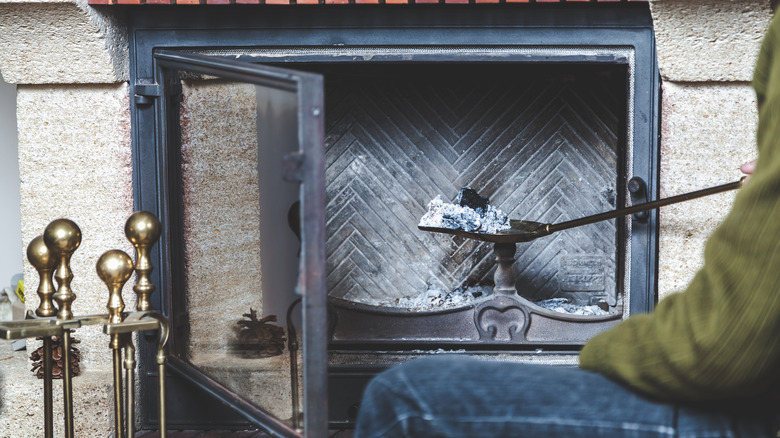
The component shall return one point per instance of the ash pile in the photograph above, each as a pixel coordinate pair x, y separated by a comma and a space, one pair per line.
473, 213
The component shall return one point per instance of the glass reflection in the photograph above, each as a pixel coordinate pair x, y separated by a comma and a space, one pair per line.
240, 252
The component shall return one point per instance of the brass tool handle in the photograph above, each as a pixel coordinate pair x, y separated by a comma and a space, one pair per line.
44, 262
63, 237
644, 206
114, 268
142, 230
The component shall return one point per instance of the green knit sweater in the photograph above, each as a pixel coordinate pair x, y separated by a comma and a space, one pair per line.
720, 338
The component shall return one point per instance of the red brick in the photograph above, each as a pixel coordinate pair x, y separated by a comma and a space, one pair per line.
336, 2
247, 2
308, 2
128, 2
187, 2
487, 1
419, 2
218, 2
100, 2
366, 2
456, 2
518, 1
549, 1
396, 2
158, 2
277, 2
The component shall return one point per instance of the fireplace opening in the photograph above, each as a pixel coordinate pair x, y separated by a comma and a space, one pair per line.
544, 142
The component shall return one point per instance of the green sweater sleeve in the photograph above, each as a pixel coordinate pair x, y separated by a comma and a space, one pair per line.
720, 338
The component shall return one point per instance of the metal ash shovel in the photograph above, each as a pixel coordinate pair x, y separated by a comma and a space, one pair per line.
526, 231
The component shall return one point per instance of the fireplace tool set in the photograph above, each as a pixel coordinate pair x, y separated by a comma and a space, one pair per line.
50, 254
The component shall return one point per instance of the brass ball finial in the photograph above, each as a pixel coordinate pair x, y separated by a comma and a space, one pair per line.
44, 262
63, 237
114, 268
142, 230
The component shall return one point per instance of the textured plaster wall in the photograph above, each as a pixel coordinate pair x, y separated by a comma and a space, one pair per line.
708, 130
222, 238
709, 40
21, 415
61, 41
706, 53
74, 162
221, 209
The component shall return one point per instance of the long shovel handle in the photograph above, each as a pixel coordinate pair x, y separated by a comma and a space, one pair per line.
645, 206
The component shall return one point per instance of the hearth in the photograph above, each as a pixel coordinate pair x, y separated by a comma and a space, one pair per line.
549, 112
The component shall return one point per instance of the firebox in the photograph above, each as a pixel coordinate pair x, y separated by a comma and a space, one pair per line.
286, 297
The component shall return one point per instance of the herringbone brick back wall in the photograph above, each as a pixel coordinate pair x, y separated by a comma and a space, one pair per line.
542, 147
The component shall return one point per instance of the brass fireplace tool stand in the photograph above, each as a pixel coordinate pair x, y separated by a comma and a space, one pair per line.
50, 254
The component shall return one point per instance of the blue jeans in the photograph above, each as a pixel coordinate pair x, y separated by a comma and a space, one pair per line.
462, 397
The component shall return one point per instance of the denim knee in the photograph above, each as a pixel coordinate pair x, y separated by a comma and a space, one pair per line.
391, 402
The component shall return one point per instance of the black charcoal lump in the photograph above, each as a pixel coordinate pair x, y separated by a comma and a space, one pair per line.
468, 197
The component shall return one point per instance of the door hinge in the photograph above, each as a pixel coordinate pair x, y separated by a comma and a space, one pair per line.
145, 94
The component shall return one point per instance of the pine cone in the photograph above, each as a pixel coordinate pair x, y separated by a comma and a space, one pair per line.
258, 338
56, 354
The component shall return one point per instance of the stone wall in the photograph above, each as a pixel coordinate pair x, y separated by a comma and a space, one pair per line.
706, 53
69, 62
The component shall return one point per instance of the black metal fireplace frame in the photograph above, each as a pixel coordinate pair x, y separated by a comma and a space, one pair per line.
236, 27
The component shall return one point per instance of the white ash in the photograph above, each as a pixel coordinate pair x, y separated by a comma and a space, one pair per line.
562, 305
435, 299
452, 216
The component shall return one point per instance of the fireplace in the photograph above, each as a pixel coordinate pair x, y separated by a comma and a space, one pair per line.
548, 111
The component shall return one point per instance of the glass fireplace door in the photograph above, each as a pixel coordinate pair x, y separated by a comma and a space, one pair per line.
245, 148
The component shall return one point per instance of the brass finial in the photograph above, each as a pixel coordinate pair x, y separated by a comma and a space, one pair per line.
142, 230
114, 269
63, 237
43, 262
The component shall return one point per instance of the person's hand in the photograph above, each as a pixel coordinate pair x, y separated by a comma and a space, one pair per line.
747, 169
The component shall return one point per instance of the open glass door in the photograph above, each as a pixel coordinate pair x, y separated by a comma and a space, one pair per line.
248, 307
